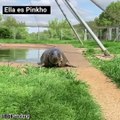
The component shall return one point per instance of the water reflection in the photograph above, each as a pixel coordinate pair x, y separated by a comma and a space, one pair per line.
21, 55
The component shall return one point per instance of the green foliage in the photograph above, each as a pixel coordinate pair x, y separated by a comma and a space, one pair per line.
60, 29
111, 16
110, 68
17, 30
22, 32
46, 94
113, 47
45, 35
93, 26
4, 32
90, 51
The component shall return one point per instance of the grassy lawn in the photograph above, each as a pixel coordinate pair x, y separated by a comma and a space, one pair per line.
75, 43
87, 44
52, 94
110, 68
46, 94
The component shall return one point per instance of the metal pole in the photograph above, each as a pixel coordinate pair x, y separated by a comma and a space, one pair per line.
117, 34
75, 32
85, 35
61, 34
106, 53
38, 34
97, 5
110, 34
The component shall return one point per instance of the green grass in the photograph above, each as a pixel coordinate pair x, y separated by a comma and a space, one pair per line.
110, 68
113, 47
51, 94
75, 43
46, 94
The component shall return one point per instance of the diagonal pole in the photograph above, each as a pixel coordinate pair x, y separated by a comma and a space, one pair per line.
97, 5
75, 32
79, 18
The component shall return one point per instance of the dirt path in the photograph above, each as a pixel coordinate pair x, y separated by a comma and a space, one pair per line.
105, 92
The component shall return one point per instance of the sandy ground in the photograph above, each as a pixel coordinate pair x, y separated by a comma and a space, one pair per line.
105, 92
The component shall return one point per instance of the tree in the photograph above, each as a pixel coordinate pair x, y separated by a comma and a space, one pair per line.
4, 32
22, 31
60, 29
18, 30
12, 25
53, 26
111, 16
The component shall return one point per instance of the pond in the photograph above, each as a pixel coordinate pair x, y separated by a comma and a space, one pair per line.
21, 55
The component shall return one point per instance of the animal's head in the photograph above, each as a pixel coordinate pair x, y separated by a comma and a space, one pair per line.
55, 56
